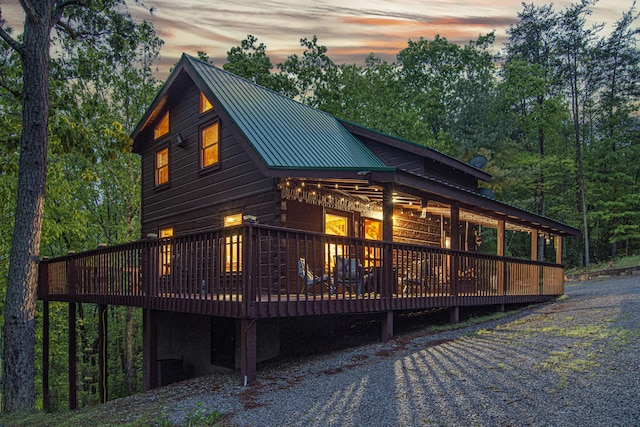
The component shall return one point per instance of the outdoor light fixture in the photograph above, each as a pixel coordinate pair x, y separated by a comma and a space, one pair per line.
423, 204
181, 142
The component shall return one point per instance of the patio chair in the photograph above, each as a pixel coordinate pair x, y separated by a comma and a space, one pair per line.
349, 273
309, 279
416, 276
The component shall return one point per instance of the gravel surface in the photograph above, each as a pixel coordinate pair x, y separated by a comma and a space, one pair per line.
572, 362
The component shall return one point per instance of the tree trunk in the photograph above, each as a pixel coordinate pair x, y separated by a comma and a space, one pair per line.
22, 279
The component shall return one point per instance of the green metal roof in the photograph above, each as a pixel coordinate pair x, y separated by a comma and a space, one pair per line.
285, 133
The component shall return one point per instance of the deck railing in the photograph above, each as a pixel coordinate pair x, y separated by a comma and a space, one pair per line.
260, 271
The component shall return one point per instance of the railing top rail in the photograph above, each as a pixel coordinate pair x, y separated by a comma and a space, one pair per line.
150, 242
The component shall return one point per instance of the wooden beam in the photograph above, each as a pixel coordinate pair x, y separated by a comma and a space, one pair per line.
46, 393
454, 315
102, 353
388, 280
73, 363
534, 245
150, 349
248, 350
502, 265
387, 326
454, 244
558, 240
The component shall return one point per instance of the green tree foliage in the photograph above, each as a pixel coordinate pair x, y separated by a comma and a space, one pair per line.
251, 62
452, 88
309, 72
100, 85
372, 96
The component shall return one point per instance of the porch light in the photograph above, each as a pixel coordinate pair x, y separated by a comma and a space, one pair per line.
181, 142
447, 242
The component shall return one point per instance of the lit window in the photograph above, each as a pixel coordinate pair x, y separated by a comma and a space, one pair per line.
162, 166
163, 127
209, 147
372, 231
165, 252
336, 225
205, 105
233, 245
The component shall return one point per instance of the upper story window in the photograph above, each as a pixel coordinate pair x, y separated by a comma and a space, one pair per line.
209, 138
205, 105
162, 166
163, 127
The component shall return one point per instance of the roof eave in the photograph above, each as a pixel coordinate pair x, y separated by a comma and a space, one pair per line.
415, 148
464, 197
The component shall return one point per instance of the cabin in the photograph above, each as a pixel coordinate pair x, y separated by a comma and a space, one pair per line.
256, 208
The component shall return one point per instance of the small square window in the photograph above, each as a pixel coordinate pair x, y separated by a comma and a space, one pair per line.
205, 105
163, 127
162, 166
209, 145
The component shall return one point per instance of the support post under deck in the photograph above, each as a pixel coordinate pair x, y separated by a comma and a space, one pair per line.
248, 350
46, 393
73, 364
387, 326
150, 352
102, 353
454, 315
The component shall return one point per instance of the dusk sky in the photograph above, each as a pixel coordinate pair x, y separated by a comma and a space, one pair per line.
350, 29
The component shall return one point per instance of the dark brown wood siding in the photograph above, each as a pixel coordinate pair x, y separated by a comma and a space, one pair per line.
197, 199
405, 160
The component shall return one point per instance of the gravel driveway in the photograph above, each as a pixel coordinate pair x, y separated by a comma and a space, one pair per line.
573, 362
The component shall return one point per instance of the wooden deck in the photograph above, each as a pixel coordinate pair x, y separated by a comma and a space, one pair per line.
251, 271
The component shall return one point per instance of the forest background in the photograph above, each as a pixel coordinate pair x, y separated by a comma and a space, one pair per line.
555, 113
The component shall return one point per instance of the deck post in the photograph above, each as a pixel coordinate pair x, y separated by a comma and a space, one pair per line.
103, 391
454, 245
502, 265
454, 314
46, 393
534, 271
73, 364
558, 249
248, 350
388, 282
387, 326
150, 349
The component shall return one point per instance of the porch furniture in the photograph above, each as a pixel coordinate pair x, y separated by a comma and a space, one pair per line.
309, 279
416, 277
349, 273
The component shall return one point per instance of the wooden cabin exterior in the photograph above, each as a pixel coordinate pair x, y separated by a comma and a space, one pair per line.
256, 207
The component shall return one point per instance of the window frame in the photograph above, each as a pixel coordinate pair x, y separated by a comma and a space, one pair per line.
202, 148
204, 102
232, 245
166, 250
156, 132
156, 169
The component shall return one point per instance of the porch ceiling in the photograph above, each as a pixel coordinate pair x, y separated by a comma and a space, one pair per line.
406, 198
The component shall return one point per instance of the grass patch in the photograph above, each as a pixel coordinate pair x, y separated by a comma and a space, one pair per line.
622, 262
